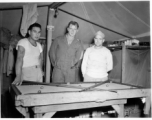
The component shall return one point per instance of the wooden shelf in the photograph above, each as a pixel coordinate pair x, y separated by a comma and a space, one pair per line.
129, 47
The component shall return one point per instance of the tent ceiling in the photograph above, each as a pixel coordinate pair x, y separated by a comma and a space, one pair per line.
131, 18
128, 18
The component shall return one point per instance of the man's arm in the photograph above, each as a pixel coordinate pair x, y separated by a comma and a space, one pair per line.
109, 62
84, 62
78, 55
52, 51
41, 61
18, 66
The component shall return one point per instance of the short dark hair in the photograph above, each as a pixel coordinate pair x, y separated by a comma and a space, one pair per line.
34, 25
31, 27
73, 23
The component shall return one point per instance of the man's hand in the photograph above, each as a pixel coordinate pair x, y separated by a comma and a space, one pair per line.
18, 66
74, 66
17, 81
42, 72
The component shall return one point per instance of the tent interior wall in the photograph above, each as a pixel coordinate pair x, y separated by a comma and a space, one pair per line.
131, 19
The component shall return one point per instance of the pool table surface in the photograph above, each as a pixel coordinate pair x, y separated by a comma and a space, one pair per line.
46, 99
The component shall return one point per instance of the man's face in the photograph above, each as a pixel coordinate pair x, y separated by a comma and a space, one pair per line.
98, 40
35, 33
72, 30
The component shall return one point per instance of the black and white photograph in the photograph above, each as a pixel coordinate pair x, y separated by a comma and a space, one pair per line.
75, 59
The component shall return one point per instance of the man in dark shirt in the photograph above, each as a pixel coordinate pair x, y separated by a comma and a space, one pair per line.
65, 53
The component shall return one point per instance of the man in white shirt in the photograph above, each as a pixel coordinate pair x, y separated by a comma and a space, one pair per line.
97, 61
29, 57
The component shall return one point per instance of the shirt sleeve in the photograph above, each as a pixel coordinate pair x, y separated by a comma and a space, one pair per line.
84, 62
109, 61
52, 51
79, 52
22, 43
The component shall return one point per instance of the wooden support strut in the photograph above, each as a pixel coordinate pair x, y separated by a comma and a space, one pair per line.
93, 86
119, 109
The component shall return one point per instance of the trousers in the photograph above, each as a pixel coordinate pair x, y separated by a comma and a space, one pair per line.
33, 73
63, 75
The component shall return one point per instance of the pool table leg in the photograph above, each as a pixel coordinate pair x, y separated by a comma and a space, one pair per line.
147, 106
38, 115
119, 109
27, 113
48, 115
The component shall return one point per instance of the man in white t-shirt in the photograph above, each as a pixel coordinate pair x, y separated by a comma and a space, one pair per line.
29, 57
97, 61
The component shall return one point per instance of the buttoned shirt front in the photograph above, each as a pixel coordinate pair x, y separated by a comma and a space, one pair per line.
64, 55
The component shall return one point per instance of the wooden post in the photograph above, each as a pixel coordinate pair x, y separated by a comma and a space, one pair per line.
148, 105
48, 44
1, 67
1, 18
27, 113
48, 115
38, 115
119, 109
121, 114
123, 63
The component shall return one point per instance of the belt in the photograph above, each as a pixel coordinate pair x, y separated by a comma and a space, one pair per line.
37, 66
34, 66
65, 67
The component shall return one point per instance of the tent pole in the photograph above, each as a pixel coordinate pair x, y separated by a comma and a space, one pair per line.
94, 23
49, 41
51, 11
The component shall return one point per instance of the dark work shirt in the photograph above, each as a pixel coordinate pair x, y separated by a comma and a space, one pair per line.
63, 55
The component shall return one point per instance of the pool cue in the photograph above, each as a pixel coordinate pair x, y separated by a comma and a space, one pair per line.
93, 86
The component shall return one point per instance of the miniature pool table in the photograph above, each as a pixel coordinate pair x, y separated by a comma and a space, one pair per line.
47, 99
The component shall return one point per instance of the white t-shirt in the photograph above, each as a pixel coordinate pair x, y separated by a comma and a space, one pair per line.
32, 53
97, 62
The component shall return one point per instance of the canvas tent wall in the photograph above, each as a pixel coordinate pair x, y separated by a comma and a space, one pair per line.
132, 66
